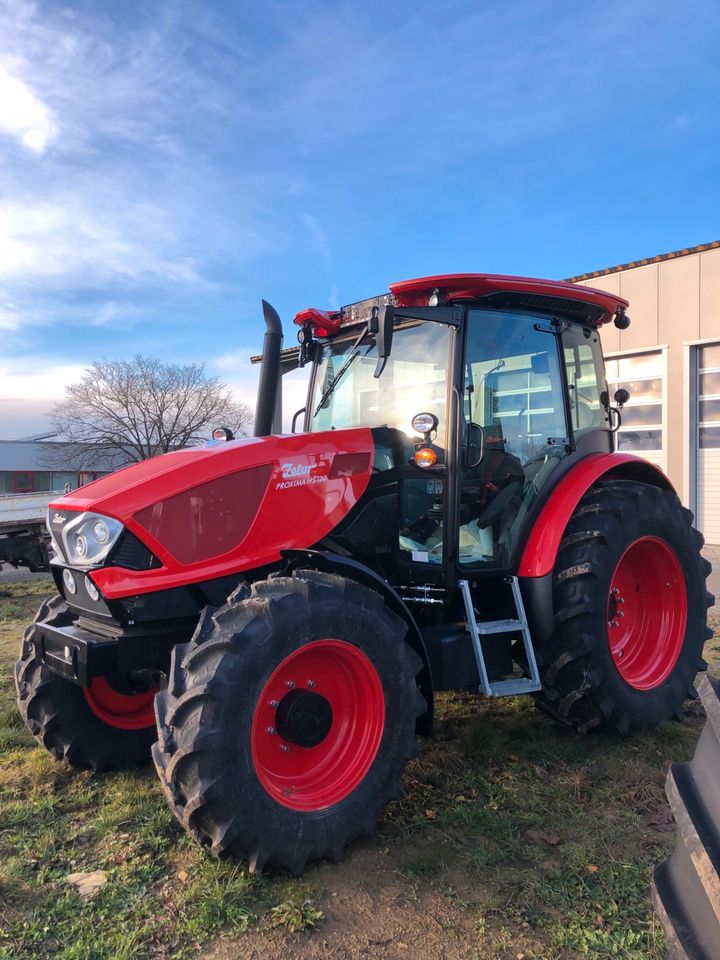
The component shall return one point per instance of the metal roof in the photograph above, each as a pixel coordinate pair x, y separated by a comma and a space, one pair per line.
37, 455
700, 248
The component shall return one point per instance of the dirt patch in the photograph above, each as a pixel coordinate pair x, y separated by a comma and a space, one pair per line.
370, 910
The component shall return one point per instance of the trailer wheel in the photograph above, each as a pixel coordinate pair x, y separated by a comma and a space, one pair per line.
630, 611
98, 728
288, 720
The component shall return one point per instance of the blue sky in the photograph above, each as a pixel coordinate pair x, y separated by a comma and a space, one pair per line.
164, 165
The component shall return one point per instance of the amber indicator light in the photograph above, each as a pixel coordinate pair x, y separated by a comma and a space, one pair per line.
425, 457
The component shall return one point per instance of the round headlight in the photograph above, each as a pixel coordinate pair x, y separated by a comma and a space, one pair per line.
100, 531
92, 590
424, 422
81, 546
69, 581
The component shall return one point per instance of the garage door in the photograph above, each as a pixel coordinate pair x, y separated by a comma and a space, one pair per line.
708, 442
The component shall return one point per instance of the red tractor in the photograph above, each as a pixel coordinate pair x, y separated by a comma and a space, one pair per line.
277, 612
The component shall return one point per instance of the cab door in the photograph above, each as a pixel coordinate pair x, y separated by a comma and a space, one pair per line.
514, 388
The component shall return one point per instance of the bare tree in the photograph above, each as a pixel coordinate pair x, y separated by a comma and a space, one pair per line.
129, 410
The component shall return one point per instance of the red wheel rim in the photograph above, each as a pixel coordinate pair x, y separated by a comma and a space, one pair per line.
316, 777
647, 613
124, 711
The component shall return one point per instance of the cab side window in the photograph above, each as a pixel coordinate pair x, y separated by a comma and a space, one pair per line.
585, 379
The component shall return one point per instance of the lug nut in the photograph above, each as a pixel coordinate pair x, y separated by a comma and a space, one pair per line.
285, 748
620, 614
311, 683
290, 684
616, 591
274, 704
271, 731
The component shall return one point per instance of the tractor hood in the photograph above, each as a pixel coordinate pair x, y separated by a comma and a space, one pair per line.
213, 511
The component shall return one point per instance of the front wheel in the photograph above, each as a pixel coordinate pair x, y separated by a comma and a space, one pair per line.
105, 726
630, 611
288, 721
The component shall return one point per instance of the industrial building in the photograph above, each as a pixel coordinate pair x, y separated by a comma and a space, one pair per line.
42, 464
669, 360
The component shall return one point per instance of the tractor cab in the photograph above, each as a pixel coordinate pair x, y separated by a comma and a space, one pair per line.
480, 393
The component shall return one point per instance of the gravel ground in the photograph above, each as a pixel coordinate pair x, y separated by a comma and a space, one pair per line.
8, 574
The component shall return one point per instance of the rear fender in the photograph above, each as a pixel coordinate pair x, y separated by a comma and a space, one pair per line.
538, 558
353, 570
540, 551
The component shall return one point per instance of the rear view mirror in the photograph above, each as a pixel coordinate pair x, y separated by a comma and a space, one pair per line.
386, 324
474, 446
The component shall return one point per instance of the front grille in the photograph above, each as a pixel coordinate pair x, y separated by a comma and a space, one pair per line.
132, 554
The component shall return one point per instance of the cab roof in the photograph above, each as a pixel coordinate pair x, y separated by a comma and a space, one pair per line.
558, 296
569, 300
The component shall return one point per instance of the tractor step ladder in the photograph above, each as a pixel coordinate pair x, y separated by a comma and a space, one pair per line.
513, 686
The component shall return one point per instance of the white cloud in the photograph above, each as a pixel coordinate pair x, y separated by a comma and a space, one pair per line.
23, 115
35, 377
66, 237
114, 204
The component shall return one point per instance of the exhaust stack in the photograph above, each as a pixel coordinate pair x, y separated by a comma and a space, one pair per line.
269, 372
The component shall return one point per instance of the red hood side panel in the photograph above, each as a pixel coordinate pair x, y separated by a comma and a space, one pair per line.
310, 481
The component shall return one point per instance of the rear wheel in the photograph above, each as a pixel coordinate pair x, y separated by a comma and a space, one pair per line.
630, 611
107, 726
288, 720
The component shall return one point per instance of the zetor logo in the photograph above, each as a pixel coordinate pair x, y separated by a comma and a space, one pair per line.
292, 470
300, 475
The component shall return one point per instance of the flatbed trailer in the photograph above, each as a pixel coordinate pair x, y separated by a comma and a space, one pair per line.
24, 537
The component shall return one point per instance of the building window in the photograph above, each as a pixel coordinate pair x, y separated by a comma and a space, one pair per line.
708, 394
23, 481
61, 480
643, 417
706, 384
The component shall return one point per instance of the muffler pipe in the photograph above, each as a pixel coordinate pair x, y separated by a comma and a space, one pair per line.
269, 372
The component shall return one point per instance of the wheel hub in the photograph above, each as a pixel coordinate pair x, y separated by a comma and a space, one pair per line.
125, 711
646, 613
304, 718
317, 724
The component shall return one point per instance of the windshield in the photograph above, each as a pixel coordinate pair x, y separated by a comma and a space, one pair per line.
414, 381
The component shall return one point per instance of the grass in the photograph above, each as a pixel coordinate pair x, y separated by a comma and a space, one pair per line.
540, 843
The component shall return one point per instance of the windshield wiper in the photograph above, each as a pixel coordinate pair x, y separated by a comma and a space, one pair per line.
330, 389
